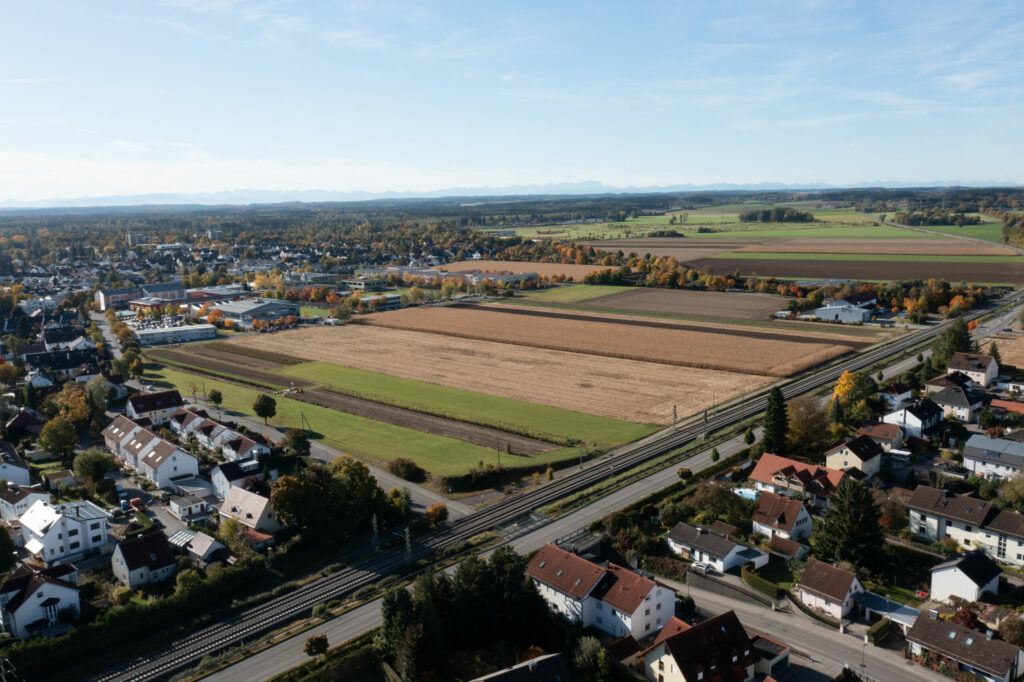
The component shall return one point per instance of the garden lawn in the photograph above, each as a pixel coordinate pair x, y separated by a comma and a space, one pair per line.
423, 396
574, 293
874, 257
364, 438
780, 575
311, 311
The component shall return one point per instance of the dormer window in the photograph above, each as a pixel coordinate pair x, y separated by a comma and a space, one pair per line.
559, 574
542, 564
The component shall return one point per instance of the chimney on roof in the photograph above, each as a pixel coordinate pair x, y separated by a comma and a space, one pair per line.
988, 635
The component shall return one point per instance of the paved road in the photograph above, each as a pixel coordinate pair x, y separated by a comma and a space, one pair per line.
112, 343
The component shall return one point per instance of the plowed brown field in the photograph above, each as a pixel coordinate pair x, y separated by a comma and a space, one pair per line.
685, 302
668, 342
903, 247
577, 272
632, 390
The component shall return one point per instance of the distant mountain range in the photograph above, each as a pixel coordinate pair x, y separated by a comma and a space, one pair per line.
250, 196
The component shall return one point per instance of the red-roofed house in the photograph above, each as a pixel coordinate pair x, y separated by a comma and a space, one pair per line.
31, 599
784, 476
776, 515
612, 598
717, 650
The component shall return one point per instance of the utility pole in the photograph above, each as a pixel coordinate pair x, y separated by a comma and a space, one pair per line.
675, 417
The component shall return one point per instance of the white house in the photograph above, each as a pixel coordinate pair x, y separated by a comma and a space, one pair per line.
968, 576
861, 453
933, 515
165, 461
188, 507
958, 403
966, 649
17, 499
981, 369
32, 599
12, 467
143, 560
157, 407
209, 434
916, 419
717, 649
776, 515
59, 532
993, 458
889, 436
703, 545
612, 598
227, 474
828, 589
896, 395
251, 510
789, 477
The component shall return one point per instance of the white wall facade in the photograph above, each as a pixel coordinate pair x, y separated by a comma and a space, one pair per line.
953, 582
32, 610
990, 470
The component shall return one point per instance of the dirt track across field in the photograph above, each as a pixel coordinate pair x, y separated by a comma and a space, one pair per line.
867, 269
226, 363
711, 303
472, 433
576, 272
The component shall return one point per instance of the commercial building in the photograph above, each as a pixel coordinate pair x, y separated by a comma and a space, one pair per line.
180, 334
244, 313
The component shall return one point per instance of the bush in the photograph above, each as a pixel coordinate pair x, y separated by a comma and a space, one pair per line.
666, 567
877, 632
760, 584
407, 469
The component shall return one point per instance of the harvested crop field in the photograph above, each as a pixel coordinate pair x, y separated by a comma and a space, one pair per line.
712, 303
576, 272
867, 269
471, 433
227, 363
902, 247
631, 390
685, 344
1011, 349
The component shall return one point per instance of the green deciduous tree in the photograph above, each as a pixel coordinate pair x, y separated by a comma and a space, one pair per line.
58, 437
92, 464
296, 443
316, 645
776, 423
808, 428
215, 397
265, 407
850, 531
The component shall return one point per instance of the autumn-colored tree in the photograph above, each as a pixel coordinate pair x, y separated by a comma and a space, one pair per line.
845, 385
316, 645
437, 514
215, 316
74, 402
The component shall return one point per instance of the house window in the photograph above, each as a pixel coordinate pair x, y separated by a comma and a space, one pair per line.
73, 532
94, 526
661, 665
647, 612
74, 545
647, 627
967, 528
658, 607
600, 619
96, 538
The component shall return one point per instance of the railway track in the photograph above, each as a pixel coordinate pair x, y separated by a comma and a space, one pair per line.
244, 626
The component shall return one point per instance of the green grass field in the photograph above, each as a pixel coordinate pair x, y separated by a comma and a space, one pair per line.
365, 438
811, 231
574, 293
991, 232
311, 311
420, 395
875, 257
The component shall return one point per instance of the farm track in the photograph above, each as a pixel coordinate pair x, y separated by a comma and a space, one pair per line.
237, 368
680, 326
865, 269
410, 419
279, 611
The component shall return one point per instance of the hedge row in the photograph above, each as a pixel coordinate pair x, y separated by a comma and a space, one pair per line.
353, 660
493, 477
762, 585
666, 567
877, 632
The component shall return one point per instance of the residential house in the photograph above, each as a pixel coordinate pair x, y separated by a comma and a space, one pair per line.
827, 588
209, 434
227, 474
61, 363
614, 599
780, 516
787, 550
148, 454
701, 545
12, 467
934, 515
27, 422
968, 576
861, 453
143, 560
32, 599
251, 510
548, 668
1002, 408
896, 395
772, 657
201, 548
993, 458
958, 403
916, 420
55, 478
157, 407
951, 380
947, 643
56, 533
793, 478
889, 436
118, 434
717, 649
16, 500
981, 369
188, 507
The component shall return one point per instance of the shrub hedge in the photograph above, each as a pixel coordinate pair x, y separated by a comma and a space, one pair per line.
762, 585
877, 632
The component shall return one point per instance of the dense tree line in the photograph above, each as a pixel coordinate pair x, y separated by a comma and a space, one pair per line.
935, 216
779, 214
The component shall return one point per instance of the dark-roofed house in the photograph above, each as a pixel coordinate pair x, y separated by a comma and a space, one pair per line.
26, 422
12, 467
943, 642
16, 500
612, 598
158, 407
31, 599
917, 419
958, 403
968, 576
780, 516
787, 549
700, 544
993, 458
981, 369
828, 588
953, 379
861, 453
716, 650
889, 436
143, 560
896, 395
549, 668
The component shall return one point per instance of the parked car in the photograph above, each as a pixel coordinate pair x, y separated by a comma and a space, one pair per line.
137, 504
700, 567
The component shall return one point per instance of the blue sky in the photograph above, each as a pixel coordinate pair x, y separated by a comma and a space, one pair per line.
103, 97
